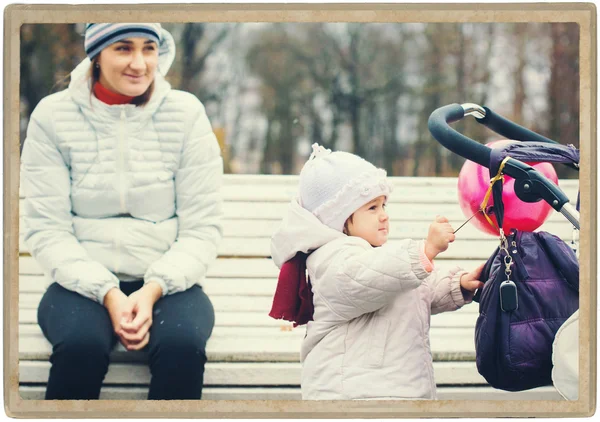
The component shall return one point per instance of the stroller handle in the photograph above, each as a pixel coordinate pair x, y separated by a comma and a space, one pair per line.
510, 130
531, 186
454, 141
467, 147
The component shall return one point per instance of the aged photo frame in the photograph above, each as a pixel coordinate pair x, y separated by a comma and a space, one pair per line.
21, 273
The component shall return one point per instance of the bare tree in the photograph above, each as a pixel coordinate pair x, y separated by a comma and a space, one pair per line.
433, 88
282, 80
563, 89
520, 38
48, 54
196, 49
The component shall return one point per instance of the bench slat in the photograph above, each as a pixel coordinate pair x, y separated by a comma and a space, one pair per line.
401, 229
260, 344
233, 303
250, 180
459, 319
28, 318
249, 268
247, 374
262, 187
212, 393
212, 286
463, 248
403, 193
223, 267
261, 247
405, 212
256, 210
465, 317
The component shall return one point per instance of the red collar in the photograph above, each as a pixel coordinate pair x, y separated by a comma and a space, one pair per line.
109, 97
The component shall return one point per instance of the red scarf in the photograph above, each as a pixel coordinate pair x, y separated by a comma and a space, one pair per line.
293, 299
109, 97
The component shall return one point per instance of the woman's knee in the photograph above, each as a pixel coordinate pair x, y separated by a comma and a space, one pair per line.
186, 344
82, 348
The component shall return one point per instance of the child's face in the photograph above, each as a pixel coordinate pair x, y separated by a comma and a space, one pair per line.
371, 222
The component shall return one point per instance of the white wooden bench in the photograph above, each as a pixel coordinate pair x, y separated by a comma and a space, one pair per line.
250, 355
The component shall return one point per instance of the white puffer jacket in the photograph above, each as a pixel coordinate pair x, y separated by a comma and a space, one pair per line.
370, 334
122, 192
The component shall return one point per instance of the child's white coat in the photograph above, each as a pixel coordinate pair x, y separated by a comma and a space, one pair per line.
370, 334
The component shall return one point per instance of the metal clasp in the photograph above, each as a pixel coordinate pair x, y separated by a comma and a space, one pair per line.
508, 260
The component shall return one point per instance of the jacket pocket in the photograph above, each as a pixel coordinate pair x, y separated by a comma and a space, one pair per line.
378, 332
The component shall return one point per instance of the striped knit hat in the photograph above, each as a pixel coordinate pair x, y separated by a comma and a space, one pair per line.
98, 36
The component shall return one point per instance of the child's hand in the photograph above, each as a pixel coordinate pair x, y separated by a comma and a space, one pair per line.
439, 236
470, 281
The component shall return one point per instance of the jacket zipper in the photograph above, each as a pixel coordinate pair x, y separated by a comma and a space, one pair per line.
121, 166
426, 345
122, 188
432, 385
118, 246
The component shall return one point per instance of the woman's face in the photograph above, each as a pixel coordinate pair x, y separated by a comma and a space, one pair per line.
128, 66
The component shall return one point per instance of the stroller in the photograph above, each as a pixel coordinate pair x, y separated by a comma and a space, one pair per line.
530, 186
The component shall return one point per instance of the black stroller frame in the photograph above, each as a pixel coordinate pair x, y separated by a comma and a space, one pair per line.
530, 185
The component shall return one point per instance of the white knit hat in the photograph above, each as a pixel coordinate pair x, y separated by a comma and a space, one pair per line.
333, 185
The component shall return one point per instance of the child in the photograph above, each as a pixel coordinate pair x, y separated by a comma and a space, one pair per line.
369, 337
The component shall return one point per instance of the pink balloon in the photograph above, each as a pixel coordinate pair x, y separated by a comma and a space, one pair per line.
473, 183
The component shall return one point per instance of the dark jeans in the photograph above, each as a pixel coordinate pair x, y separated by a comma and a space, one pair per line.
82, 338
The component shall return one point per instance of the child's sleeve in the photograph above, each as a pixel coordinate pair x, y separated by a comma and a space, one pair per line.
369, 278
447, 295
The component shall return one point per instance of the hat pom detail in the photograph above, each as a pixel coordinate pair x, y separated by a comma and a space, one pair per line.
318, 151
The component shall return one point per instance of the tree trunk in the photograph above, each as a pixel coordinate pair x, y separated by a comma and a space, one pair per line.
287, 143
563, 89
268, 153
519, 73
455, 160
192, 35
419, 148
335, 122
355, 90
355, 121
316, 132
390, 145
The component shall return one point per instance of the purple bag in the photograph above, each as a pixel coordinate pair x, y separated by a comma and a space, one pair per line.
518, 319
514, 348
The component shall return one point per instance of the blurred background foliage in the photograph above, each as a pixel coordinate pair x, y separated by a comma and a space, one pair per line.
273, 89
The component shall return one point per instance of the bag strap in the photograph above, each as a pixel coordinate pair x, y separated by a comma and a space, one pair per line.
495, 189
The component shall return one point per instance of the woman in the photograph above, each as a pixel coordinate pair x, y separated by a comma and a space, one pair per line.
121, 175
